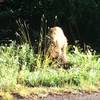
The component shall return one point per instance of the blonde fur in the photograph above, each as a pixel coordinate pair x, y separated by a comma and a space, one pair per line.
58, 44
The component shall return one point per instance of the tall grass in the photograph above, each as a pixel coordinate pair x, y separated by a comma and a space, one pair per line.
23, 32
8, 67
83, 72
20, 65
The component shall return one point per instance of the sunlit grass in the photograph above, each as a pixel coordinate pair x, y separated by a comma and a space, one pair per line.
18, 65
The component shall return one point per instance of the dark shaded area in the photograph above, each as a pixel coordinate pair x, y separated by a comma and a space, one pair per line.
18, 96
80, 20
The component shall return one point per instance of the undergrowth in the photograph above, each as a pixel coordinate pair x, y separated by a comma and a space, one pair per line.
20, 65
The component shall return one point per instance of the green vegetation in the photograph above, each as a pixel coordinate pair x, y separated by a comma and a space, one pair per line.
19, 65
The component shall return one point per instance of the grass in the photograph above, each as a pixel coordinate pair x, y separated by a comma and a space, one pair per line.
20, 66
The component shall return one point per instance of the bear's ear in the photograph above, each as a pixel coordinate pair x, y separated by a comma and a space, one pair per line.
49, 30
48, 27
52, 30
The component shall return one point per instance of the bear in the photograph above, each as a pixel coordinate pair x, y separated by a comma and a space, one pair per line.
58, 44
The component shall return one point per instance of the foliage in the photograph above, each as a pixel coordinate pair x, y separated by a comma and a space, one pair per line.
8, 67
18, 65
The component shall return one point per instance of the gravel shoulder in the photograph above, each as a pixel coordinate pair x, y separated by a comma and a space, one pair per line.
59, 96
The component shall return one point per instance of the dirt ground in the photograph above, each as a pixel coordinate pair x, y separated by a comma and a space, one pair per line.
60, 96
